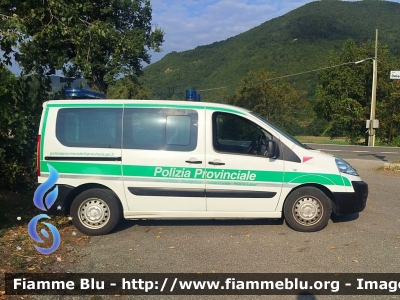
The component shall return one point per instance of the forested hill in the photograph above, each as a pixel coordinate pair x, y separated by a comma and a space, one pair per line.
295, 42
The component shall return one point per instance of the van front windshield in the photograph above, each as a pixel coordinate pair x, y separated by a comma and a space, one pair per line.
285, 134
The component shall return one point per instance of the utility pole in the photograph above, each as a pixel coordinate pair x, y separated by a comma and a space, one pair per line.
372, 123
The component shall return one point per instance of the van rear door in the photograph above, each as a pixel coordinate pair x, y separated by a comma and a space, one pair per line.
82, 141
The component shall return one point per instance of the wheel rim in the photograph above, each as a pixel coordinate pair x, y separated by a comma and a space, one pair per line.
94, 213
308, 211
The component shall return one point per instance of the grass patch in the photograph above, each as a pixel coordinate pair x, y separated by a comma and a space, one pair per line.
393, 168
390, 169
322, 140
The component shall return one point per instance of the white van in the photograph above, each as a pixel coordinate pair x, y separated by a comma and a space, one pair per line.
151, 159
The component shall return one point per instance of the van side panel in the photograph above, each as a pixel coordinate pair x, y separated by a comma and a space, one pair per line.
82, 143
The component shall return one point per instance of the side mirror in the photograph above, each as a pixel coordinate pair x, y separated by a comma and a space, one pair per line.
272, 149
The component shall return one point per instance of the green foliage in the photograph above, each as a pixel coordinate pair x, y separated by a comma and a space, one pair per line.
275, 100
388, 112
128, 88
344, 92
99, 40
395, 142
21, 105
315, 127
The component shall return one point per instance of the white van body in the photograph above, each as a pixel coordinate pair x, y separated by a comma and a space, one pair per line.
174, 159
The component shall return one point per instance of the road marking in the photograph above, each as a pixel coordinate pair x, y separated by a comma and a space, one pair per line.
360, 151
329, 150
389, 152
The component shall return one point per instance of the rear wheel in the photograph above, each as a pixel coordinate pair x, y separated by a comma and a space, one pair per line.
307, 209
96, 211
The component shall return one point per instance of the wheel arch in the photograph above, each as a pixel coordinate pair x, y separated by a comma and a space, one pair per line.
321, 187
80, 189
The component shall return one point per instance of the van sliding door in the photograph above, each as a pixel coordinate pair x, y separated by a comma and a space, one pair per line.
163, 150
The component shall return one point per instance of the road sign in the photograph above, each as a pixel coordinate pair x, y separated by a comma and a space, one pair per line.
394, 74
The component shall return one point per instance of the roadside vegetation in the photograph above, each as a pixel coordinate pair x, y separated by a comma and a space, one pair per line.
343, 96
391, 168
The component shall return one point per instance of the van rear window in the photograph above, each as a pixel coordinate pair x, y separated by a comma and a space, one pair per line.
160, 129
89, 127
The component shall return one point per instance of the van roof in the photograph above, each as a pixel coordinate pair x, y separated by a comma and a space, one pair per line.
143, 103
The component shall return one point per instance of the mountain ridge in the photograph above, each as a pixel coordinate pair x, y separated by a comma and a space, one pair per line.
295, 42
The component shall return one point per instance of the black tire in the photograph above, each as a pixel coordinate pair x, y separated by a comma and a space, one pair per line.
307, 209
96, 211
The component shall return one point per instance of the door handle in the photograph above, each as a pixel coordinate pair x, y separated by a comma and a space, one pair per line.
216, 163
197, 162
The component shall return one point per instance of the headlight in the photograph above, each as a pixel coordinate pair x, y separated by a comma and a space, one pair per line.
344, 167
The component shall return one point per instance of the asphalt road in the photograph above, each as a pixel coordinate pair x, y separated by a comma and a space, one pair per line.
365, 242
385, 154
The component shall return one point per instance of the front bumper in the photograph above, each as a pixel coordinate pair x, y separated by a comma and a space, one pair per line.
350, 203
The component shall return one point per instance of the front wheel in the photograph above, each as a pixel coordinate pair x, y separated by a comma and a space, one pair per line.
307, 209
96, 211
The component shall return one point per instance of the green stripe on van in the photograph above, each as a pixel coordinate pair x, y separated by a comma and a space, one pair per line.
46, 113
85, 105
195, 173
83, 168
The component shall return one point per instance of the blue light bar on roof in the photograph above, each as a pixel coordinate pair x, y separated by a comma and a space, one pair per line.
83, 94
191, 95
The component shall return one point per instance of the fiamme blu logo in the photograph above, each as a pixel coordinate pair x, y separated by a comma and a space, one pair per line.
44, 197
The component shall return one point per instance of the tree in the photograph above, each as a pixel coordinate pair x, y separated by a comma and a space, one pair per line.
275, 100
128, 88
97, 40
343, 96
389, 115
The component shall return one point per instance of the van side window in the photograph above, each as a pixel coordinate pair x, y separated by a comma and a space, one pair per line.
235, 134
160, 129
89, 127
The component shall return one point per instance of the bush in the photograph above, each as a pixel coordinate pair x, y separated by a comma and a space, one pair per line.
21, 101
395, 142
